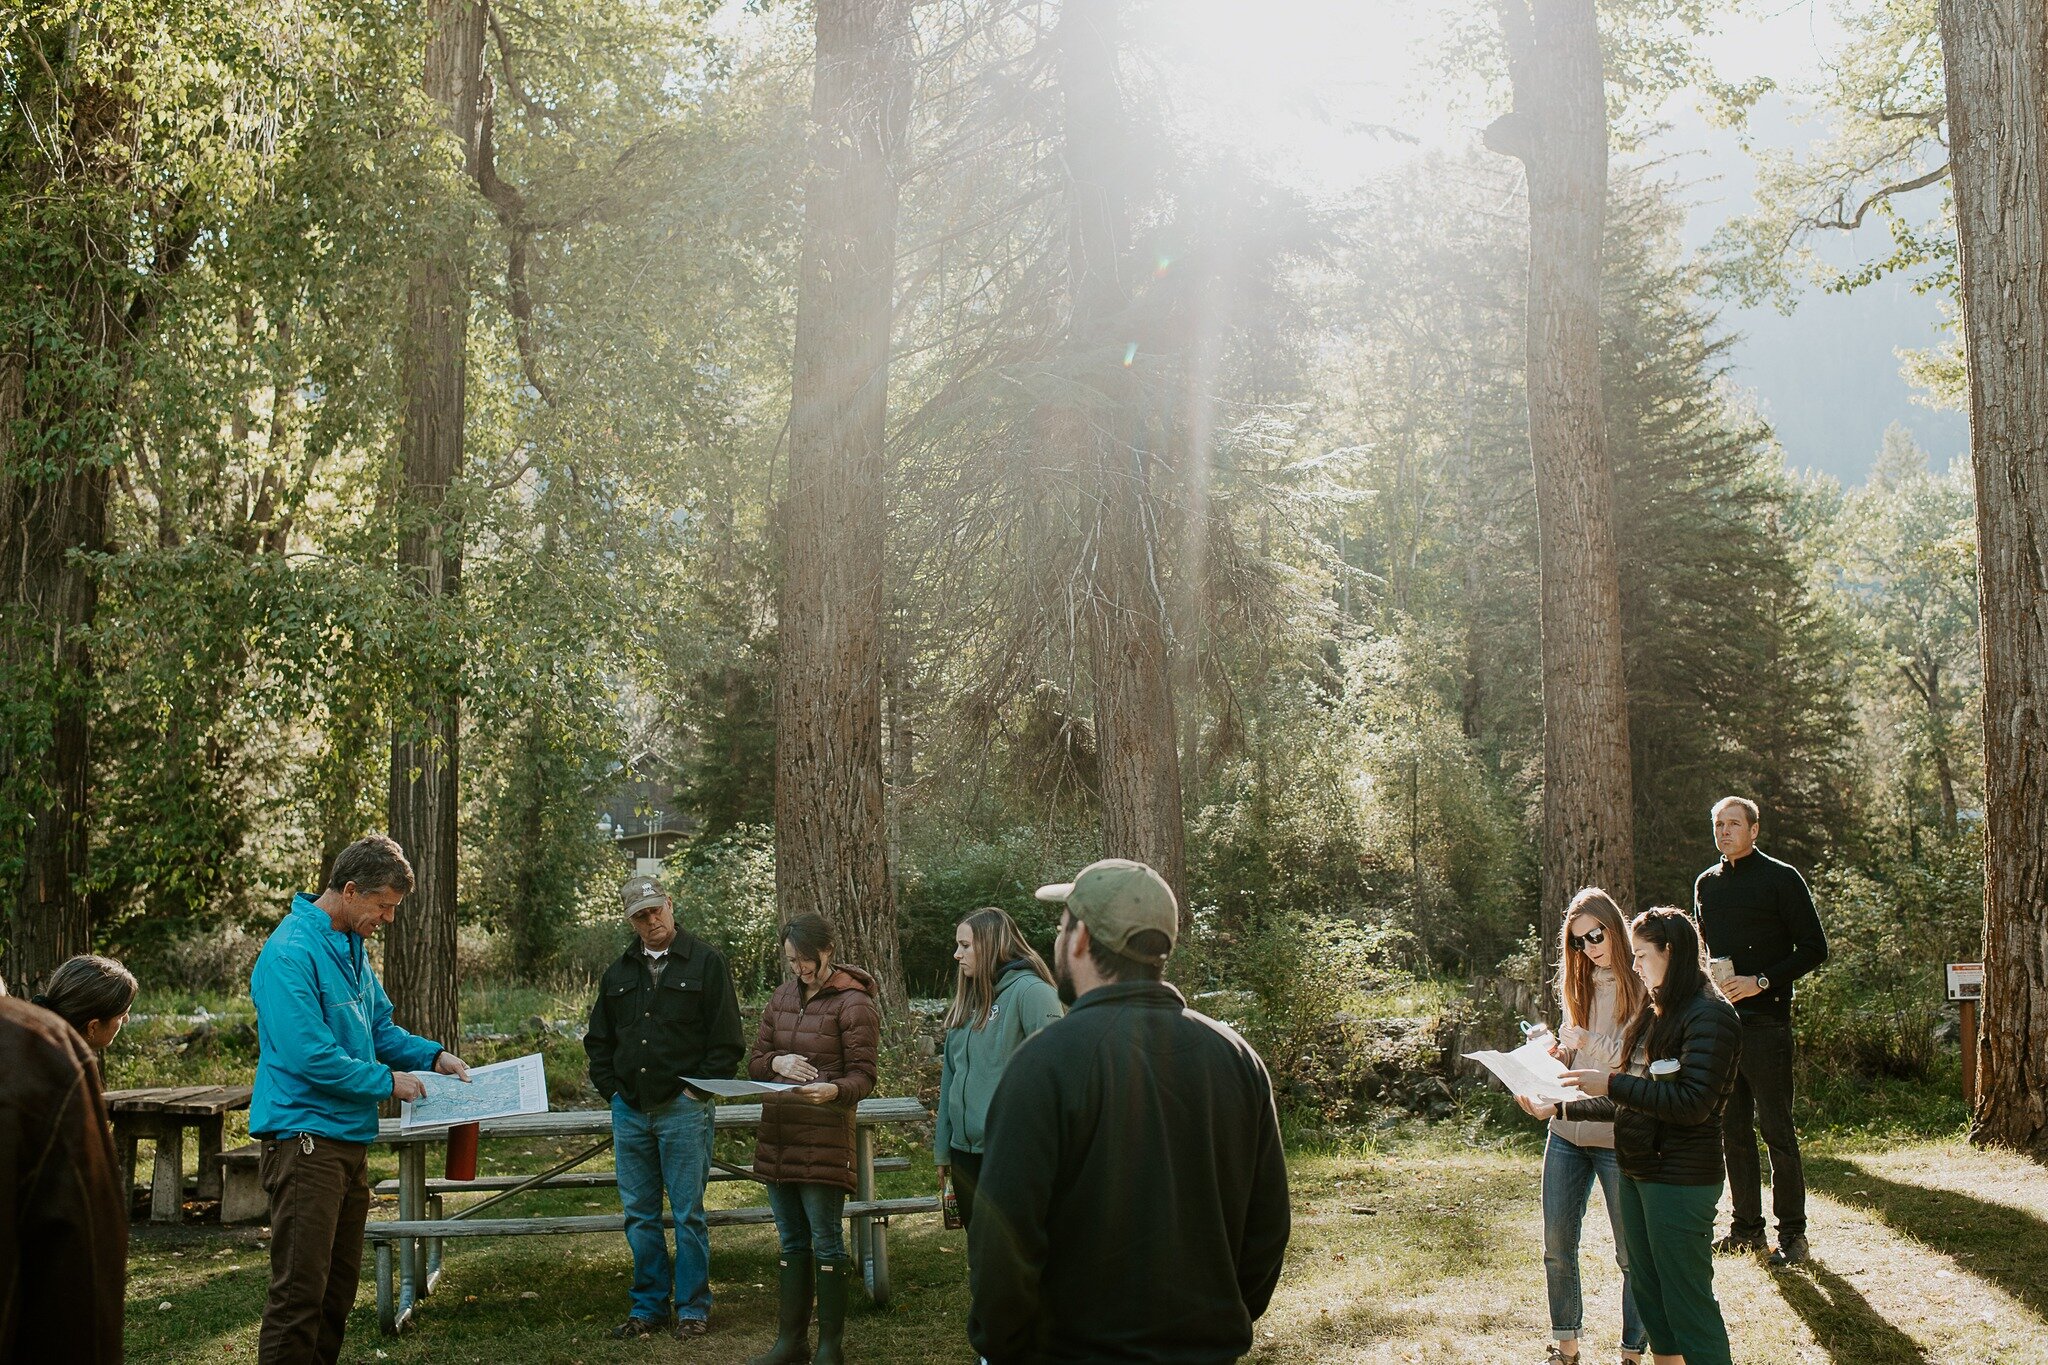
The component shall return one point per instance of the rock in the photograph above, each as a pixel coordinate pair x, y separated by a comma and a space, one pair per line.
926, 1047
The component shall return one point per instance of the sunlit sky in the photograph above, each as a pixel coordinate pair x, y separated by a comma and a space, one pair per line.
1308, 86
1316, 90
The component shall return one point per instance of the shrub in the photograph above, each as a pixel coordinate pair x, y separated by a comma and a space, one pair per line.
1892, 924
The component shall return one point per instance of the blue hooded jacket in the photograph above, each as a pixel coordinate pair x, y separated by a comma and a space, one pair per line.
326, 1043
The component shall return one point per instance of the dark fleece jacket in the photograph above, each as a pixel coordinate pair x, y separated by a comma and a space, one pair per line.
1133, 1196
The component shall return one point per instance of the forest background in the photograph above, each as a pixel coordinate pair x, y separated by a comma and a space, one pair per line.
209, 273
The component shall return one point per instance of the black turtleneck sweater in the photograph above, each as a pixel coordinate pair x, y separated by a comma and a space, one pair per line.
1758, 911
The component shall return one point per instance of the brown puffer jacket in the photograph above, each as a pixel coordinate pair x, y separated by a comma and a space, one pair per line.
836, 1031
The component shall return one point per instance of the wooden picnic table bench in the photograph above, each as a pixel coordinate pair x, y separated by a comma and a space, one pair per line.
409, 1250
163, 1113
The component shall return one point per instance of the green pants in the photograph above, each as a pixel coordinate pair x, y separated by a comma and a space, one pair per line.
1668, 1231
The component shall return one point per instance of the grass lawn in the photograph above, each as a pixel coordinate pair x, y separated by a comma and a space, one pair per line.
1417, 1243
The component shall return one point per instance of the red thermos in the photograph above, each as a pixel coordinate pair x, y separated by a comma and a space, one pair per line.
461, 1152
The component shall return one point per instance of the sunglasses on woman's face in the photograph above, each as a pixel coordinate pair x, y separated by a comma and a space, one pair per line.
1594, 935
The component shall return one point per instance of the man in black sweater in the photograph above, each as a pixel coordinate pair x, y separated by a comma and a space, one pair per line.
1757, 912
1133, 1198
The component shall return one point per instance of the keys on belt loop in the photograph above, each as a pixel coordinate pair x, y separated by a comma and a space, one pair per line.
306, 1143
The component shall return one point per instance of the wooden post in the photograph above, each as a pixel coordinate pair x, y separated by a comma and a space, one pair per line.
1970, 1055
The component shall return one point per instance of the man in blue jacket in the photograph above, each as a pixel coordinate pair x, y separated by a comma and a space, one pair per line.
329, 1054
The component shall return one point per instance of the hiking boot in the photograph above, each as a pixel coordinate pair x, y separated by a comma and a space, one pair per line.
635, 1327
687, 1328
834, 1277
1742, 1244
793, 1325
1791, 1251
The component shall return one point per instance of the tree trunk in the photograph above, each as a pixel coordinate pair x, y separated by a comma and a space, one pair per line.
1558, 129
831, 831
1136, 738
1996, 58
420, 963
60, 382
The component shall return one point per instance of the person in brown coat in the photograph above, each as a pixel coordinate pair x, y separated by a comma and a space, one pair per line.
819, 1032
63, 1218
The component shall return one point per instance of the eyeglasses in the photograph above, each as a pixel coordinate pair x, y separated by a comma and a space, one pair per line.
1594, 935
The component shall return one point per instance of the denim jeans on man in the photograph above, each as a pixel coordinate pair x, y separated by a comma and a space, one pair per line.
809, 1218
1569, 1171
1762, 1103
669, 1146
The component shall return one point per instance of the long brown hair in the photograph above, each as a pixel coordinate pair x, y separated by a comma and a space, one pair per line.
1686, 976
997, 942
1575, 969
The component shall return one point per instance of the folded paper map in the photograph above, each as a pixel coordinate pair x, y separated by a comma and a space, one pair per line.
1529, 1070
735, 1090
519, 1086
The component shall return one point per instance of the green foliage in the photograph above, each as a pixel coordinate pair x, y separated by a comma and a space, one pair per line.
1876, 1007
725, 894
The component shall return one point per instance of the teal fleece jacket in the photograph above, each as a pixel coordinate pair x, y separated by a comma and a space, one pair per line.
326, 1046
975, 1057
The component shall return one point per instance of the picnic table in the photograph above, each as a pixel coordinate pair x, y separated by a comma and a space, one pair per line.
409, 1249
163, 1113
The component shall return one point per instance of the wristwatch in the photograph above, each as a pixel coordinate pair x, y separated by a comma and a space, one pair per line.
1763, 983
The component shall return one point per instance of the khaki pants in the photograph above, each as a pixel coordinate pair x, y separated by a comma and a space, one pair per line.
319, 1201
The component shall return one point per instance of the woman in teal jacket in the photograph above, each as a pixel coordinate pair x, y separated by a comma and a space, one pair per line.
1002, 995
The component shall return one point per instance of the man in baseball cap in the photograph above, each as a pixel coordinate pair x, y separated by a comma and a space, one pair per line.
1133, 1199
665, 1010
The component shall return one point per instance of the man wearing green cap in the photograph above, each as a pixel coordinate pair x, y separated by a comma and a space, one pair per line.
1133, 1200
665, 1010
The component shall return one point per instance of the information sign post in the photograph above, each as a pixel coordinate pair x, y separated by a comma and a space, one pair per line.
1966, 986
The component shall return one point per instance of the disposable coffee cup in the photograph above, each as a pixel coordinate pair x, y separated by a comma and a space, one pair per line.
1664, 1068
1722, 969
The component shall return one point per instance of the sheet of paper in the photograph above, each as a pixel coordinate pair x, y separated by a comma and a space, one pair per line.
735, 1090
1529, 1070
519, 1086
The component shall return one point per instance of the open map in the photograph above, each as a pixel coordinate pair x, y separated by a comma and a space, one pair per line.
519, 1086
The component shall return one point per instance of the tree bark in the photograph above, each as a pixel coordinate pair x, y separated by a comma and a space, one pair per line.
1996, 58
1558, 129
426, 732
831, 830
60, 385
1136, 735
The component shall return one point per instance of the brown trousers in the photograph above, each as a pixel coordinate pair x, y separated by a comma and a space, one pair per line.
319, 1201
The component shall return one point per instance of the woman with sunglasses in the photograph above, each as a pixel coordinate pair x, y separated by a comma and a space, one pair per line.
1602, 999
1667, 1136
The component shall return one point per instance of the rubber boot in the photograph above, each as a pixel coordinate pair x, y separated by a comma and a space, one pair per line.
835, 1277
792, 1345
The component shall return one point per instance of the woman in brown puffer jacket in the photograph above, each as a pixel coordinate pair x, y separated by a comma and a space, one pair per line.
820, 1031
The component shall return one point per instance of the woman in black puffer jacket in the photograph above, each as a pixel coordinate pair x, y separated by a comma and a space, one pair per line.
1666, 1110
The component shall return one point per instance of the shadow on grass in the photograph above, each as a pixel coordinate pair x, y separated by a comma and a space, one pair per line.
1842, 1320
2004, 1245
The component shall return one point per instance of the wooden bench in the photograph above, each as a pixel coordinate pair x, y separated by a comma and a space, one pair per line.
383, 1237
242, 1199
408, 1249
584, 1180
162, 1114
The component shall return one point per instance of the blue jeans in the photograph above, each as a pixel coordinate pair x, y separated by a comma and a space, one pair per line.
1568, 1174
668, 1146
809, 1218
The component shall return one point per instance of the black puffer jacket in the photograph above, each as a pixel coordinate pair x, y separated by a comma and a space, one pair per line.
1667, 1131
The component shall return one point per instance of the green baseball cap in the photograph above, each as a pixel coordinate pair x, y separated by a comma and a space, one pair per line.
1117, 899
640, 893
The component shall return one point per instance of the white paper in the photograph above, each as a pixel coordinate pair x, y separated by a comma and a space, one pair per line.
1529, 1070
497, 1091
735, 1090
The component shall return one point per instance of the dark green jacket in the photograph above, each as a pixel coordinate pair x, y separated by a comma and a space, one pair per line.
975, 1057
1133, 1198
643, 1039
